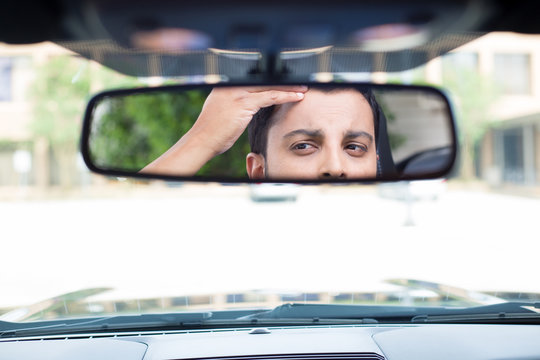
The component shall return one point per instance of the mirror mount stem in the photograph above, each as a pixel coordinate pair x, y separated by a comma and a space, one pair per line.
270, 68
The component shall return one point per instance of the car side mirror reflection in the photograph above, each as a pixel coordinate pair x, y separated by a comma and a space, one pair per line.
278, 133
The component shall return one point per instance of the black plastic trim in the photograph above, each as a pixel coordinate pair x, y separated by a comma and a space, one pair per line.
85, 150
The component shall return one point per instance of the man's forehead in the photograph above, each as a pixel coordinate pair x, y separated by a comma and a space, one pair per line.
320, 107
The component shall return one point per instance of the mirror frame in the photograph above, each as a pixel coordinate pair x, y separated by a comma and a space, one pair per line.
87, 120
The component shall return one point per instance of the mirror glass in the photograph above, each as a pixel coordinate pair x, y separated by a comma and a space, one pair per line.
336, 132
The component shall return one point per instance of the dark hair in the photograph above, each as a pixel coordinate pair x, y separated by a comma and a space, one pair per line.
263, 119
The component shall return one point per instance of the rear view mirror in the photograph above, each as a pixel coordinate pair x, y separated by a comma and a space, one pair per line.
288, 133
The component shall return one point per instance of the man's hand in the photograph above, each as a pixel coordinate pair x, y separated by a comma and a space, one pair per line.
227, 112
225, 115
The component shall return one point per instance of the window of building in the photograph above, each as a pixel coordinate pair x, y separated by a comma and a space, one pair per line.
6, 68
513, 159
512, 73
235, 298
459, 63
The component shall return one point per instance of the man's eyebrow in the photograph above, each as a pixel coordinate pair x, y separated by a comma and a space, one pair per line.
307, 132
355, 134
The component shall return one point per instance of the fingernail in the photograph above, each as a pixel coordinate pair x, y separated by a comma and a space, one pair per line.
303, 87
300, 95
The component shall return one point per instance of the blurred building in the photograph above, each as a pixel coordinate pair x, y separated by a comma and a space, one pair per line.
25, 159
508, 152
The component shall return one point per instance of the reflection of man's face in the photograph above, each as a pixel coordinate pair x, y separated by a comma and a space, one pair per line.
326, 135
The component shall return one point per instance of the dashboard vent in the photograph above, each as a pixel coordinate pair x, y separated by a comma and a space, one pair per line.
330, 356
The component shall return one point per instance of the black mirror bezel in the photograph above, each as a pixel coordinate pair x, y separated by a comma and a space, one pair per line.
85, 137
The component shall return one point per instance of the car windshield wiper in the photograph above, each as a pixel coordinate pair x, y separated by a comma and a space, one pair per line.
159, 322
283, 315
63, 326
118, 322
507, 316
399, 313
495, 318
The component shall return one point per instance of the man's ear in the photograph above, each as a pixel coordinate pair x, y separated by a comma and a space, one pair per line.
255, 166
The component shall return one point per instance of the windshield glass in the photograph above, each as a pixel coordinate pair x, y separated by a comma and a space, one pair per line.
75, 244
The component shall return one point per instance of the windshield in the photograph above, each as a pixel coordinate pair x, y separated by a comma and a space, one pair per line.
76, 244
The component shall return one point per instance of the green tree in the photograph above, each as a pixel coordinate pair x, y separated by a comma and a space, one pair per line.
134, 130
59, 100
473, 95
131, 131
59, 94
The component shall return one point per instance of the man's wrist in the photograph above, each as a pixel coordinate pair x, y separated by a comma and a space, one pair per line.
185, 158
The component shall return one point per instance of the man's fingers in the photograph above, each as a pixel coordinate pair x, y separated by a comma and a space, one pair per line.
275, 97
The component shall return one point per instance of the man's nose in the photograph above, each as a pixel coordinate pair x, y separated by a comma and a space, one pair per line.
332, 165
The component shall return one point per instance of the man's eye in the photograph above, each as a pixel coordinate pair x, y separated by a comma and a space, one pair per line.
303, 148
356, 149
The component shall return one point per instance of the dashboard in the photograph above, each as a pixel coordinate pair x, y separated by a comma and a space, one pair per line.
404, 342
